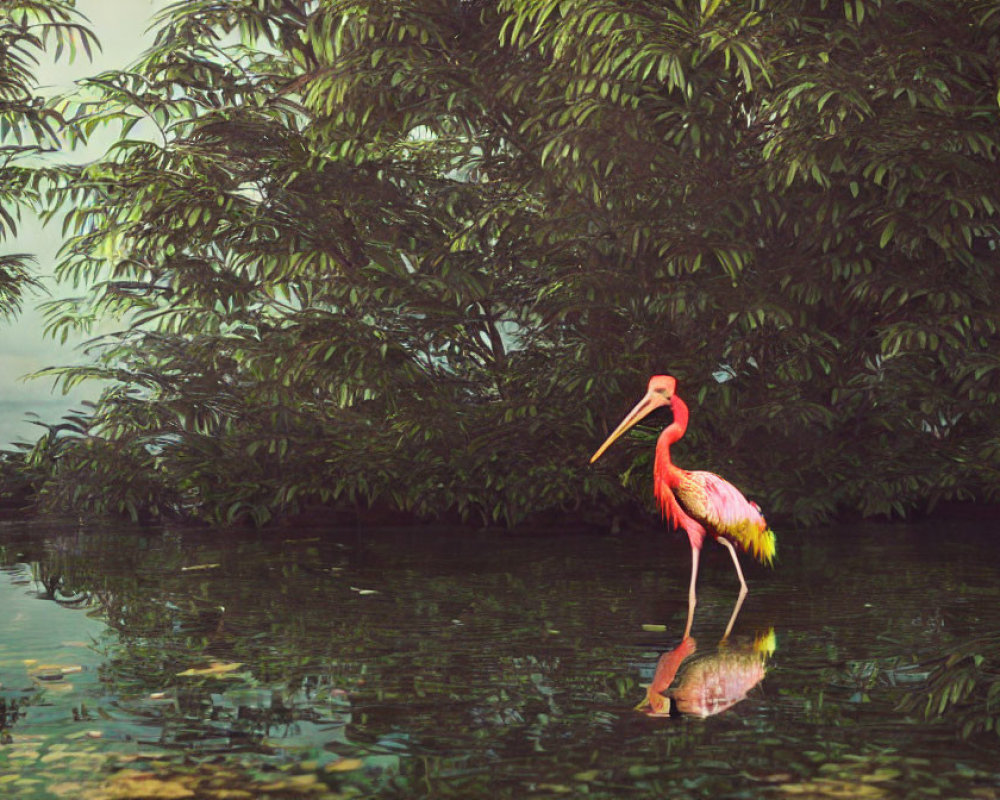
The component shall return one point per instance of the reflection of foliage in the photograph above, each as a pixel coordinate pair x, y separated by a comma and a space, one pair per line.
17, 490
11, 710
162, 661
965, 687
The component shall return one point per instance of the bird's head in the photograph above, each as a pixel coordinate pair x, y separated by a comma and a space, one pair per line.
659, 393
663, 385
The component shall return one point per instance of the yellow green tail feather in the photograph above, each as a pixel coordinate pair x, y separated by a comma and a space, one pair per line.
767, 548
757, 539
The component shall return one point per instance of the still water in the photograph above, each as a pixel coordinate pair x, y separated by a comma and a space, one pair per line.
434, 663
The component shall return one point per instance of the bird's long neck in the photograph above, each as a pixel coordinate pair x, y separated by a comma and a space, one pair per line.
665, 472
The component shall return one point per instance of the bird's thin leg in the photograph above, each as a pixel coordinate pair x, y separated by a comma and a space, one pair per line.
734, 615
736, 563
743, 587
692, 599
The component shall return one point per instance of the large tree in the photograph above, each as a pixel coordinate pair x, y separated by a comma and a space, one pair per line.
421, 253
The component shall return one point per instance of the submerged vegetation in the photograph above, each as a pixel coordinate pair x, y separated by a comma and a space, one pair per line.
418, 255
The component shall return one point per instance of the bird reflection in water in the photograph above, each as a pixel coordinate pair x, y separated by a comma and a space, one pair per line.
710, 683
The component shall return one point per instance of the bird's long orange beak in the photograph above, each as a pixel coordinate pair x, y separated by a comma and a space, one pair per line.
652, 401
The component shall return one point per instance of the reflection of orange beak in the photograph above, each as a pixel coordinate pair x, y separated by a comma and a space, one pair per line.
657, 705
651, 402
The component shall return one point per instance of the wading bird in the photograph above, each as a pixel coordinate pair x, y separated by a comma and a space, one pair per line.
697, 502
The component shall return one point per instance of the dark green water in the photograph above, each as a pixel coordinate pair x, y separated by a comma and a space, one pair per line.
426, 663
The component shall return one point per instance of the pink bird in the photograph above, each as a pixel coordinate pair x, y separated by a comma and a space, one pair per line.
698, 502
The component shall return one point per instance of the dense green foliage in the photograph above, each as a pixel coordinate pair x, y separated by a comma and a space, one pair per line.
28, 28
422, 254
28, 128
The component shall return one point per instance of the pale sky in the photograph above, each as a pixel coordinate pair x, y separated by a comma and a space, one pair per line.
121, 26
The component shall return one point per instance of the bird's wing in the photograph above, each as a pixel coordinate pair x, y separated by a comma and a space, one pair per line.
726, 512
722, 503
678, 515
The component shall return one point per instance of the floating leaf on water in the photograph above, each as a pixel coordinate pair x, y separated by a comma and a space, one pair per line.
826, 787
344, 765
295, 783
882, 774
216, 669
715, 764
796, 788
22, 755
148, 788
653, 627
50, 758
231, 794
67, 789
642, 770
774, 777
49, 672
